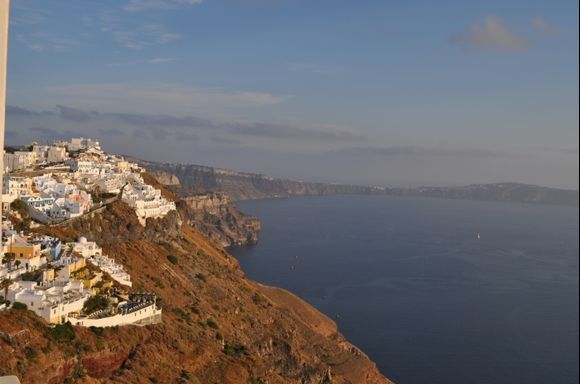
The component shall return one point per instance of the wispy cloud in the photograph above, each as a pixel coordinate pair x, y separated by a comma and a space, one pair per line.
145, 5
544, 26
132, 35
570, 151
162, 126
177, 99
290, 132
46, 42
161, 60
493, 34
396, 151
314, 68
144, 36
25, 14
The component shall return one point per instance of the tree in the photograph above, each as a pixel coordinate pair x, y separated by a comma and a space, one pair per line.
4, 284
8, 259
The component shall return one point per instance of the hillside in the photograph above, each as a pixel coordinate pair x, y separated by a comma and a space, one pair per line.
187, 178
218, 327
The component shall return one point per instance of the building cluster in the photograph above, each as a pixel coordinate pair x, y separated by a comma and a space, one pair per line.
72, 281
38, 155
78, 170
56, 280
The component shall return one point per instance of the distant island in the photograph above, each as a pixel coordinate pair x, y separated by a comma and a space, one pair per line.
187, 178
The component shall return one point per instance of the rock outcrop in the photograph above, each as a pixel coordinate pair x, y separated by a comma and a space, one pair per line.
215, 215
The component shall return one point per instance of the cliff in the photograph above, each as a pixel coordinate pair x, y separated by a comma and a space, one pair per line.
250, 186
215, 215
212, 213
246, 186
218, 327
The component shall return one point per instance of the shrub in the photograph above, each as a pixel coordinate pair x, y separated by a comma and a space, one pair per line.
97, 331
172, 259
257, 298
18, 305
95, 303
62, 332
212, 324
200, 276
234, 349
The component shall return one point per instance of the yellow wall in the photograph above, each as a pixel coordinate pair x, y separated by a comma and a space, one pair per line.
25, 251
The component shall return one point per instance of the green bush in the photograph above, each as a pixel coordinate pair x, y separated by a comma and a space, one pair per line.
234, 349
62, 333
172, 259
19, 305
212, 324
95, 303
97, 331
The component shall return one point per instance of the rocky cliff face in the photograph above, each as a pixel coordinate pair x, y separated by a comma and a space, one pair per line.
212, 213
215, 215
218, 327
249, 186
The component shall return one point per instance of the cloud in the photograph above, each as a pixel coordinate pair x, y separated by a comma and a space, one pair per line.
570, 151
492, 35
144, 98
22, 13
145, 5
45, 133
290, 132
69, 113
162, 120
134, 35
111, 132
545, 27
46, 42
161, 60
225, 140
144, 36
19, 111
180, 128
397, 151
314, 68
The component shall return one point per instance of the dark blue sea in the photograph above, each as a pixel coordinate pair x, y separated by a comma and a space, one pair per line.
409, 282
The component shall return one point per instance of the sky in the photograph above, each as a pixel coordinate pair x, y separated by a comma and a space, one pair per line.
395, 93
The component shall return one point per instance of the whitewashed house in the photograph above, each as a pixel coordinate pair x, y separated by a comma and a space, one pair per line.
54, 301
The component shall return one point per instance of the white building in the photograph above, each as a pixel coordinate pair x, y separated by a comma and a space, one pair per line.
81, 143
86, 248
16, 186
54, 301
41, 152
19, 160
56, 155
141, 314
116, 271
111, 183
146, 200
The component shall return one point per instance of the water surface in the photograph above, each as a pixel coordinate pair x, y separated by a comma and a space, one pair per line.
408, 281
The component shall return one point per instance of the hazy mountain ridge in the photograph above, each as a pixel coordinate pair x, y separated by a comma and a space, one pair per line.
251, 186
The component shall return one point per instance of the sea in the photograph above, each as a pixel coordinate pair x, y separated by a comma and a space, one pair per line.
433, 290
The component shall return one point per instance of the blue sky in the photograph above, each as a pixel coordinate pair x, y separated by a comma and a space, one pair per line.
379, 92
